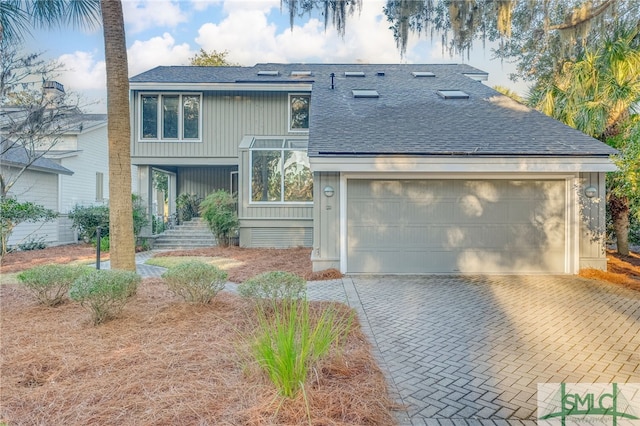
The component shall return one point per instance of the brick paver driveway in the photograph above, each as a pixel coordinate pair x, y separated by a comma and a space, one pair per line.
475, 348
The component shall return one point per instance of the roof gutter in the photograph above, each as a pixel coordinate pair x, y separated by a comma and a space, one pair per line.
463, 164
249, 86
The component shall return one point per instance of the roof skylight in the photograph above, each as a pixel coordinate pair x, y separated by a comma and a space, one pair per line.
300, 73
477, 76
423, 74
269, 73
452, 94
354, 73
365, 93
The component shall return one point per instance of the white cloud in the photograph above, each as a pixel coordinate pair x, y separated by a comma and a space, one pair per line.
82, 72
250, 38
245, 46
140, 15
144, 55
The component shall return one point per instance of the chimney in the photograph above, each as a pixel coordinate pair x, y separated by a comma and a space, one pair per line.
53, 92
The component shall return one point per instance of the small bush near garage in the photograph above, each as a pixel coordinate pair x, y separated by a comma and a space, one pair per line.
104, 292
50, 283
195, 281
274, 285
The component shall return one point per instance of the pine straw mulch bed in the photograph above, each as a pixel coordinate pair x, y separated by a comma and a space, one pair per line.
247, 261
166, 362
621, 270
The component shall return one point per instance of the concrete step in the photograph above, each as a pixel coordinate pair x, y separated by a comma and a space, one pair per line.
189, 235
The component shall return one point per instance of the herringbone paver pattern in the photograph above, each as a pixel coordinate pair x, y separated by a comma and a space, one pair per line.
471, 350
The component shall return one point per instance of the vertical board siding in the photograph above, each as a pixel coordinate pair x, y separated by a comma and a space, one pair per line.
226, 118
592, 216
327, 216
204, 180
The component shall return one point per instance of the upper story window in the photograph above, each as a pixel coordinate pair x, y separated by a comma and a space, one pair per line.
280, 171
299, 112
170, 117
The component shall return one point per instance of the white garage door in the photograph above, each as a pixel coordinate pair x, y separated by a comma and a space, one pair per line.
456, 226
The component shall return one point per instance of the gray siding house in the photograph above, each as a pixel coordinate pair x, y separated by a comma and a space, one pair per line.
379, 168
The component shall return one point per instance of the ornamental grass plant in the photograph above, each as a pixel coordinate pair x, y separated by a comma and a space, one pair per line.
290, 340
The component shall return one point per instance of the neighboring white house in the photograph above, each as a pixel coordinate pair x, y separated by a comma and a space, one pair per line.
84, 150
74, 171
39, 183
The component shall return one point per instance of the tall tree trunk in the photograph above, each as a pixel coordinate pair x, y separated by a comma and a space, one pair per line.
619, 208
122, 250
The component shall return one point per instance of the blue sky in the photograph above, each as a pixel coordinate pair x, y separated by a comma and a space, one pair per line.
165, 32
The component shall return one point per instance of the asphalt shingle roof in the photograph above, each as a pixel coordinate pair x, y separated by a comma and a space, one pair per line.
17, 156
408, 117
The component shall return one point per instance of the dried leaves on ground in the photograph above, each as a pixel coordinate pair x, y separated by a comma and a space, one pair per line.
167, 362
621, 270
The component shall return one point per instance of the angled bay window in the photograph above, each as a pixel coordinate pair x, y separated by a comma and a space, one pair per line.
299, 112
174, 117
280, 171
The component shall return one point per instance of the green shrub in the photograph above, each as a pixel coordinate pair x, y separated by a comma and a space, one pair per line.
275, 285
86, 219
140, 218
14, 213
104, 292
195, 281
105, 244
289, 341
50, 283
219, 210
188, 206
32, 244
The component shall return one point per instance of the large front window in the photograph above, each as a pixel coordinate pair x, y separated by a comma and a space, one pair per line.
280, 171
170, 117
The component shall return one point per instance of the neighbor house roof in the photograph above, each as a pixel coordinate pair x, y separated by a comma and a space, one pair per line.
408, 116
16, 156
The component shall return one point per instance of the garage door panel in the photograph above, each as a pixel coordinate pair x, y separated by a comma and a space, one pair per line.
480, 226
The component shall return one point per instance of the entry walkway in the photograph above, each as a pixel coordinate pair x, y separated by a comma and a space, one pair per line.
472, 350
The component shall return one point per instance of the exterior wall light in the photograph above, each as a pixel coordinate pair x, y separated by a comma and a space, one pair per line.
590, 191
328, 191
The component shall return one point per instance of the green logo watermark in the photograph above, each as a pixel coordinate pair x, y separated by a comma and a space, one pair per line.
563, 404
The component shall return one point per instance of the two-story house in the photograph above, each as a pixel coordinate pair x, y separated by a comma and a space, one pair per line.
378, 168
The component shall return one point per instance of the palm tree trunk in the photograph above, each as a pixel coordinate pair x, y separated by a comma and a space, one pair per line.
619, 208
122, 244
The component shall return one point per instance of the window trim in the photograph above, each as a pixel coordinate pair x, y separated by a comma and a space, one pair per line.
282, 149
307, 94
160, 117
